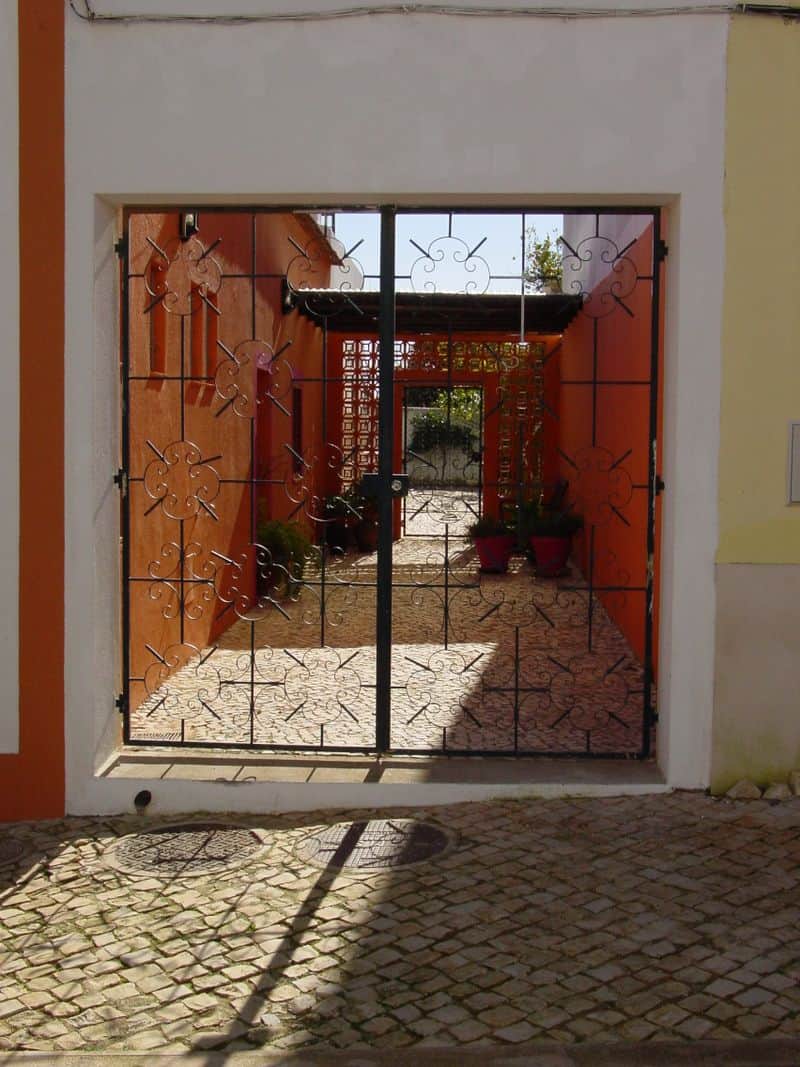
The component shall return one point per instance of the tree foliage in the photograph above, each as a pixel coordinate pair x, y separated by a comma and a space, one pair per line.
450, 420
543, 265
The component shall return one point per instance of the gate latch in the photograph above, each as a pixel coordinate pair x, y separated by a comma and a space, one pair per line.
370, 485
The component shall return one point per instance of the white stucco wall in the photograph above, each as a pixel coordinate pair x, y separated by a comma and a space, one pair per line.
9, 368
405, 109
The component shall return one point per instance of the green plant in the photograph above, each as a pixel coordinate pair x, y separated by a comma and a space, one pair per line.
342, 506
434, 429
543, 267
289, 549
540, 521
361, 508
464, 403
487, 526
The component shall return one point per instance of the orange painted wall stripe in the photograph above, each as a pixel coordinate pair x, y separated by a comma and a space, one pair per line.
32, 782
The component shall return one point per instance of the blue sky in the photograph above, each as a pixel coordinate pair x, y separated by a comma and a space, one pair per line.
501, 250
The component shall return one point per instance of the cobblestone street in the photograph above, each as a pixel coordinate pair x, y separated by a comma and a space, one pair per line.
651, 918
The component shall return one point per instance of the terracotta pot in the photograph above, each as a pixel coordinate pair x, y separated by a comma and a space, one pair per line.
337, 535
367, 535
494, 552
551, 554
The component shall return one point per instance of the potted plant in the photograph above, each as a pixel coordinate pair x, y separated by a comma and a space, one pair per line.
493, 542
550, 532
288, 549
339, 517
364, 519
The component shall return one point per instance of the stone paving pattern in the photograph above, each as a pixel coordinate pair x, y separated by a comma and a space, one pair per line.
605, 920
511, 639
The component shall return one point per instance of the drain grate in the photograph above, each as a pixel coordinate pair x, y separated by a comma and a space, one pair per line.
375, 845
11, 850
156, 735
186, 848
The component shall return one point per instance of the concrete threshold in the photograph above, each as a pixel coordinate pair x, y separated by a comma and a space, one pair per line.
540, 776
744, 1053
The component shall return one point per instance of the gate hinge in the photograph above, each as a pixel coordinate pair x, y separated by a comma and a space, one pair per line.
121, 246
660, 485
121, 481
119, 703
662, 250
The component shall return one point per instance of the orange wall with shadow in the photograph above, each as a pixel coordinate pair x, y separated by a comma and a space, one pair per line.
604, 443
244, 356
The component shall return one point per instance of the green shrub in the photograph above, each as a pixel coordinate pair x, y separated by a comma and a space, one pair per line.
539, 521
487, 526
433, 430
289, 549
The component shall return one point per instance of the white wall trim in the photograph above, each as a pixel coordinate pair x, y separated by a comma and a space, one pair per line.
691, 414
384, 137
9, 394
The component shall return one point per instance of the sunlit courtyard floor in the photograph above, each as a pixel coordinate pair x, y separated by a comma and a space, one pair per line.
495, 663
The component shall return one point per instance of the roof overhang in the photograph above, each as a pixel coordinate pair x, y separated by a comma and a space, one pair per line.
357, 312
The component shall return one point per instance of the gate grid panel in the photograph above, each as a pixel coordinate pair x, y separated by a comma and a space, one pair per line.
255, 385
240, 603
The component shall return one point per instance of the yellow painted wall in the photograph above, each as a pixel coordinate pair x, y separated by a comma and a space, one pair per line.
756, 725
761, 317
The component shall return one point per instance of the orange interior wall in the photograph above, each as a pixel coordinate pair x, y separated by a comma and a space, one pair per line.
247, 245
621, 345
32, 781
466, 374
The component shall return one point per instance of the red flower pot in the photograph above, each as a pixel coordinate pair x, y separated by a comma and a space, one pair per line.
494, 552
367, 535
552, 554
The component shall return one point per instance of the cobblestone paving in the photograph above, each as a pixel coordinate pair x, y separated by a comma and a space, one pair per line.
468, 650
427, 511
649, 918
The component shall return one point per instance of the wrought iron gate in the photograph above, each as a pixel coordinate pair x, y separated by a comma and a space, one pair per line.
292, 577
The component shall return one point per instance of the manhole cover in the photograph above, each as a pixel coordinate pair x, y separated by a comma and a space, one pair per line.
11, 850
379, 843
186, 848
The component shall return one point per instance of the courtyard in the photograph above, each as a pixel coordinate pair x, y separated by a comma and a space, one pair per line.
480, 662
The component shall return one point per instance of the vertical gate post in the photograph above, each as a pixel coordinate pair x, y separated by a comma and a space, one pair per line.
653, 482
123, 701
386, 327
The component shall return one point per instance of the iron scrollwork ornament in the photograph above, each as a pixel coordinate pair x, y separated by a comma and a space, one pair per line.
182, 276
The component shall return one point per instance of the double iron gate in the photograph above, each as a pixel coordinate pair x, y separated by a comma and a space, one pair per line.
315, 409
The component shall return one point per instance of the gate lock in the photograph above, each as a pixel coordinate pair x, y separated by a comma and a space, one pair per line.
370, 484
